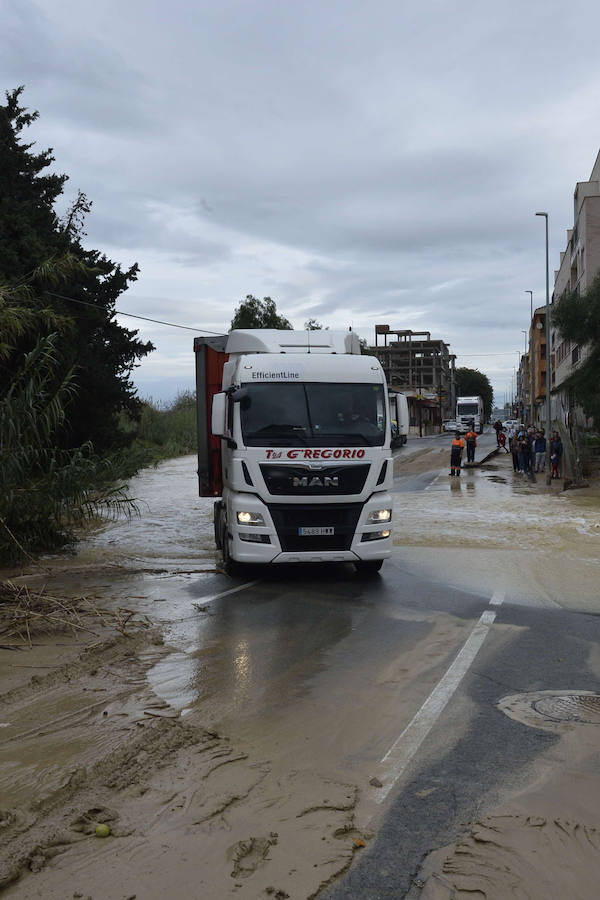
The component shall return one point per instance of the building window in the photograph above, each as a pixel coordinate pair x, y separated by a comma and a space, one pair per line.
575, 355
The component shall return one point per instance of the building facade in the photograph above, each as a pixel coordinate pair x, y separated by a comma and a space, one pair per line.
579, 265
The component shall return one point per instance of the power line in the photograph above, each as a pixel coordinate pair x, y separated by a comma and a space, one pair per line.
131, 315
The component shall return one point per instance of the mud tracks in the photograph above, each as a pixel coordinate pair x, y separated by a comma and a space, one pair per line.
188, 813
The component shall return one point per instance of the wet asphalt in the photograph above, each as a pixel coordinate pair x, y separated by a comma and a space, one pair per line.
316, 644
475, 754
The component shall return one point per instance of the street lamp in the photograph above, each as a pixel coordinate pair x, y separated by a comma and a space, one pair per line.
548, 422
525, 333
530, 301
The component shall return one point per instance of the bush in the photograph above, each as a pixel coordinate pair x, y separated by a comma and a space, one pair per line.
164, 432
46, 491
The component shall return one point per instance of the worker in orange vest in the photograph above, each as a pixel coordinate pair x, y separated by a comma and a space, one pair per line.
471, 439
456, 451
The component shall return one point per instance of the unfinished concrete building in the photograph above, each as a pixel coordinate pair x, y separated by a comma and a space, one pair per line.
421, 368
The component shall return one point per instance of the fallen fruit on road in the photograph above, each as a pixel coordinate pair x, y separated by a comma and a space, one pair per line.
102, 830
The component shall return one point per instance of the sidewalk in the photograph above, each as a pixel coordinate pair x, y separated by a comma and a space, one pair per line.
537, 480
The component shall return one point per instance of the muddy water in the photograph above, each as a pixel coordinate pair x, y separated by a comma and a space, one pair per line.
494, 530
491, 531
228, 663
174, 530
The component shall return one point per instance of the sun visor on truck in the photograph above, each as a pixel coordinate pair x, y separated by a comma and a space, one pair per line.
268, 340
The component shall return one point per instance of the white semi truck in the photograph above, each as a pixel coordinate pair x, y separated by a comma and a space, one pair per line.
469, 413
294, 441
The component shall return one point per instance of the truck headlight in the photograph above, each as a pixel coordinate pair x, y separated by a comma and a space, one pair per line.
250, 518
379, 515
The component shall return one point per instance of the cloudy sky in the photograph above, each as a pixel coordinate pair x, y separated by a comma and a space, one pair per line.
360, 163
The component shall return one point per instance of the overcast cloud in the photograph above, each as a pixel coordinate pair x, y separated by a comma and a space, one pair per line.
358, 162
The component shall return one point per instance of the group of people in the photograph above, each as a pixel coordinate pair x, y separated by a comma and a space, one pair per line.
528, 447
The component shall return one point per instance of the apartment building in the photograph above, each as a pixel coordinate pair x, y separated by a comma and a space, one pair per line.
579, 265
538, 360
421, 368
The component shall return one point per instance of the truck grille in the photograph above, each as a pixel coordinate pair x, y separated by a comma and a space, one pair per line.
288, 519
307, 481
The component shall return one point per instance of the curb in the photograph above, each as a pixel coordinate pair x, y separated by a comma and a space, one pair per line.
475, 465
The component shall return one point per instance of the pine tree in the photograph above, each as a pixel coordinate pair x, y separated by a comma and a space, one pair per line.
100, 353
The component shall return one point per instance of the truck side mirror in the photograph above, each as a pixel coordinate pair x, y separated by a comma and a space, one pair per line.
218, 414
242, 396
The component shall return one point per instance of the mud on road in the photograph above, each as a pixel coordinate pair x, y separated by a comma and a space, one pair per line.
190, 813
97, 727
92, 730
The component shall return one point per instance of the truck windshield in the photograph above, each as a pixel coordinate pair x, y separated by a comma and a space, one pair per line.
313, 414
468, 409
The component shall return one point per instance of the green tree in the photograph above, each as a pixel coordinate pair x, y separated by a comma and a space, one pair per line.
314, 325
255, 313
473, 383
102, 354
577, 316
44, 490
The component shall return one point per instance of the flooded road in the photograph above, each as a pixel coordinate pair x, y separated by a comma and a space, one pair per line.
239, 742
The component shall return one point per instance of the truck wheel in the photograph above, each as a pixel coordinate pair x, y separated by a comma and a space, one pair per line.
368, 566
217, 523
230, 566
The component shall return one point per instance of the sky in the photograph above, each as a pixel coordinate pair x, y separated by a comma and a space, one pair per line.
360, 163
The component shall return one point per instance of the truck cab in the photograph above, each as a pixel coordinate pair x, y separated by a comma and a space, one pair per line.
306, 466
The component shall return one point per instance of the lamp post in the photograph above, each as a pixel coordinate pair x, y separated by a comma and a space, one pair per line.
548, 413
530, 303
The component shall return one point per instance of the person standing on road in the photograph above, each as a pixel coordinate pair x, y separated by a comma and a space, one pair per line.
456, 452
524, 451
556, 452
513, 447
539, 447
498, 429
531, 434
471, 439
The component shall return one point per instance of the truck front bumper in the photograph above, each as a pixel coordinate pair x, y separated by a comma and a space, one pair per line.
347, 535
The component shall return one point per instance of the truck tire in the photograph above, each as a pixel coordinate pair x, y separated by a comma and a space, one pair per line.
368, 566
230, 566
217, 523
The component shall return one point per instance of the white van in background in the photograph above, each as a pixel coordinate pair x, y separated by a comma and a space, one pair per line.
398, 418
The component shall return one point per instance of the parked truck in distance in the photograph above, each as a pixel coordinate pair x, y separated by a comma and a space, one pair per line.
469, 414
399, 418
294, 442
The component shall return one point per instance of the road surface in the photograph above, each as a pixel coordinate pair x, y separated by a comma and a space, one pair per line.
301, 731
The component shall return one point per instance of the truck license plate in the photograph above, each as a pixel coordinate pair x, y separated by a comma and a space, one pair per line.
314, 531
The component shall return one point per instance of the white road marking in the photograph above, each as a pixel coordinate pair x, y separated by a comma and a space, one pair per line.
431, 484
234, 590
202, 600
404, 748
